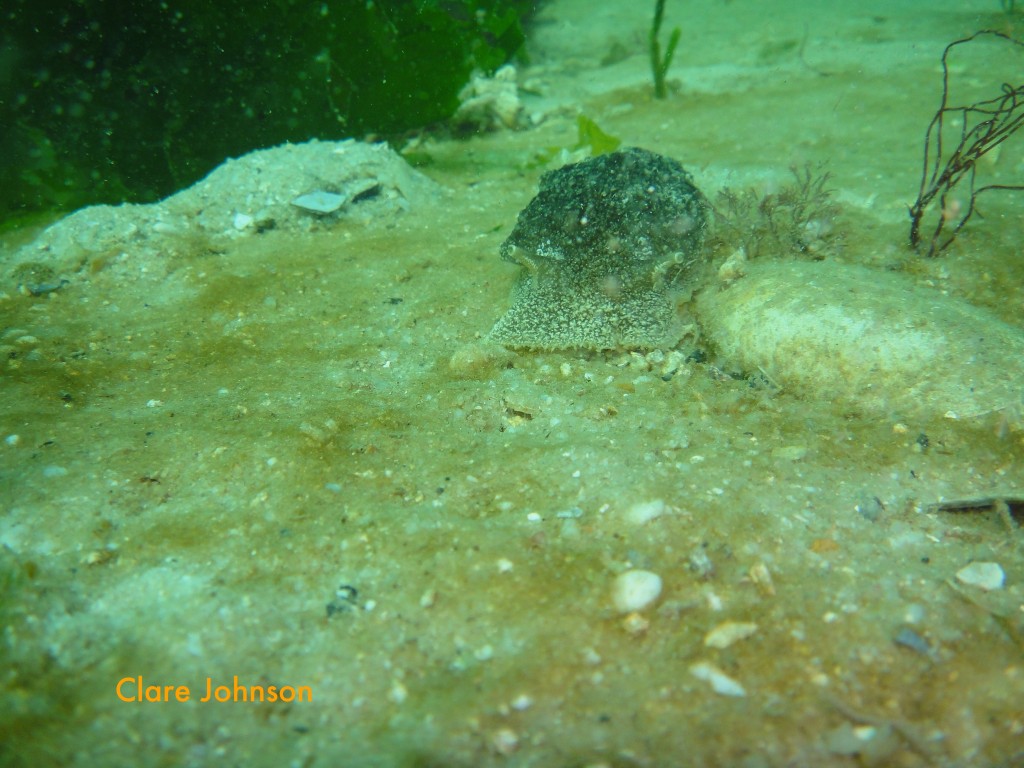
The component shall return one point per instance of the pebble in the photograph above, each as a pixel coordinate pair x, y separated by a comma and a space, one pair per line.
721, 683
478, 360
987, 576
398, 693
635, 590
505, 741
645, 511
521, 703
908, 638
762, 578
635, 624
700, 563
729, 632
789, 453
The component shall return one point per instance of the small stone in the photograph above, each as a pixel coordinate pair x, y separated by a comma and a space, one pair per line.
478, 359
734, 267
870, 508
729, 632
762, 578
505, 741
635, 590
635, 624
824, 545
700, 563
398, 693
645, 511
674, 361
789, 452
908, 638
842, 740
100, 557
987, 576
521, 703
721, 683
570, 514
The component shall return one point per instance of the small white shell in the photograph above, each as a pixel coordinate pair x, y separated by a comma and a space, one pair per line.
721, 683
319, 201
987, 576
729, 632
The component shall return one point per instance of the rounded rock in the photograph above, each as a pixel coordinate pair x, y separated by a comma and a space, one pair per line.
865, 339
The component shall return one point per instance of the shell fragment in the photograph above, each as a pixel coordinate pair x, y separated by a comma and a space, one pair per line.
319, 202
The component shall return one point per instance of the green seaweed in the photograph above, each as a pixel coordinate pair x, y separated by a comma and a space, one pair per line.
589, 135
128, 100
660, 63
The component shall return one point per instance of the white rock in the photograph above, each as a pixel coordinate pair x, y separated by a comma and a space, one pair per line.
984, 575
720, 682
635, 590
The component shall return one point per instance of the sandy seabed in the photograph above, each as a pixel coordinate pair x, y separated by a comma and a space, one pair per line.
252, 466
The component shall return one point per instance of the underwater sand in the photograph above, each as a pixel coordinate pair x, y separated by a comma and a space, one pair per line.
257, 461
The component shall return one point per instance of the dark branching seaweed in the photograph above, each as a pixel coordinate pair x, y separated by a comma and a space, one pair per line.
977, 128
798, 218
